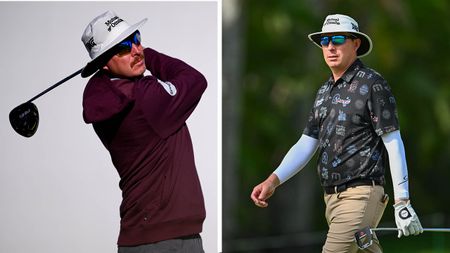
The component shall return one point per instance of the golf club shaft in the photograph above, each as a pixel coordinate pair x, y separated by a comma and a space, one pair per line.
56, 85
425, 229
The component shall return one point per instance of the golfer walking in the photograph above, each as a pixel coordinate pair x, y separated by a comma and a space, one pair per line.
354, 126
141, 122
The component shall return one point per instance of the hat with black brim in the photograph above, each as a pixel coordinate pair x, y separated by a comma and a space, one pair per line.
338, 23
101, 35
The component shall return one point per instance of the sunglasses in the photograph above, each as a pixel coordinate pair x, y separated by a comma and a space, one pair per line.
335, 39
124, 47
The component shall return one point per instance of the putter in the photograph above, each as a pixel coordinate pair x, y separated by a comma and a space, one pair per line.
24, 118
364, 236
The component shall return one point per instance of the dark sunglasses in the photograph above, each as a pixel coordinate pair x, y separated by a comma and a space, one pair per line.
335, 39
124, 47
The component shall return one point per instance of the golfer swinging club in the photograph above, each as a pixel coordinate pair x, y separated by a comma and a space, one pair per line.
354, 126
141, 122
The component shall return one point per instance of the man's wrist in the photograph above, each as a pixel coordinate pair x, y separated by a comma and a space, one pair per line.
274, 180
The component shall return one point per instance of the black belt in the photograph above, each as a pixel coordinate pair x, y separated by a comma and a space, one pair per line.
353, 183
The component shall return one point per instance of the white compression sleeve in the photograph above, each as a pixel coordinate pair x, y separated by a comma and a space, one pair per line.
296, 158
397, 161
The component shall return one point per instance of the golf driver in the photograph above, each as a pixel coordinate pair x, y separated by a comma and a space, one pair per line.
364, 236
24, 118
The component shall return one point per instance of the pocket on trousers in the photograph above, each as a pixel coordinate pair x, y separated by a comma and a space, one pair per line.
381, 206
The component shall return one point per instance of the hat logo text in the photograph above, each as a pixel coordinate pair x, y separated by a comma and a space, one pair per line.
332, 21
113, 22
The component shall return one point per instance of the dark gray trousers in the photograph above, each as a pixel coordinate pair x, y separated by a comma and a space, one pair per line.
191, 245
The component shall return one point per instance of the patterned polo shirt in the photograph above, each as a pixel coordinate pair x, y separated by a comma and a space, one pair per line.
348, 117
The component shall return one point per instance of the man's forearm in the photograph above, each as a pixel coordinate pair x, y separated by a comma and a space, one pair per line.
296, 158
397, 163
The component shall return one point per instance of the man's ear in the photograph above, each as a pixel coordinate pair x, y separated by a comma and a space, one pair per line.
106, 68
357, 43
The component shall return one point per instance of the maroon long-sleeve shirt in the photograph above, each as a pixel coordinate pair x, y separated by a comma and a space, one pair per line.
142, 124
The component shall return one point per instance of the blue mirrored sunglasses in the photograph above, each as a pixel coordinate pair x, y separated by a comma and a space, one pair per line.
126, 45
335, 39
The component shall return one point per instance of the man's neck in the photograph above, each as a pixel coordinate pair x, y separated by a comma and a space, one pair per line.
339, 72
117, 76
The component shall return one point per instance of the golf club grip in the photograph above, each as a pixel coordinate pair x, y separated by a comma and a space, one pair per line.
56, 85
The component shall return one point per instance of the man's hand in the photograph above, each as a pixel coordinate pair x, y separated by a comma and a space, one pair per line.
406, 219
264, 190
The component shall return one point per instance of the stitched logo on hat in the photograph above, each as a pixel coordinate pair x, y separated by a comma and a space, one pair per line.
332, 21
90, 44
113, 22
355, 27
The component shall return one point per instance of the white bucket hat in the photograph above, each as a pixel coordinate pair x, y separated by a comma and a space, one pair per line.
102, 34
341, 23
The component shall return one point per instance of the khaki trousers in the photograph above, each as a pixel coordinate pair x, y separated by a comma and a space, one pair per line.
350, 210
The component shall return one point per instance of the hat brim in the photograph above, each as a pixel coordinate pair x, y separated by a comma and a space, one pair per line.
364, 49
101, 60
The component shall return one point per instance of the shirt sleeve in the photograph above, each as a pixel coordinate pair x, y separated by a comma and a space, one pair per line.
312, 125
169, 96
382, 108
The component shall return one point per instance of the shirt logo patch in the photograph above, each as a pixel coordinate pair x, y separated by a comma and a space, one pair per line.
340, 130
377, 87
324, 173
337, 100
319, 102
325, 158
364, 90
342, 116
353, 87
323, 89
169, 87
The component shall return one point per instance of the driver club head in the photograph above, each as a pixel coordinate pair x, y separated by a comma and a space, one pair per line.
24, 119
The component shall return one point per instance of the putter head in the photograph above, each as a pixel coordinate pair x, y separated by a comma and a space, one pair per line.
24, 119
364, 238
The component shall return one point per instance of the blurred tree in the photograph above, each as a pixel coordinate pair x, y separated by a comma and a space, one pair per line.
232, 75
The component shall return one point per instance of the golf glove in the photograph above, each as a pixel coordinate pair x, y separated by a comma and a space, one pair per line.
406, 219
